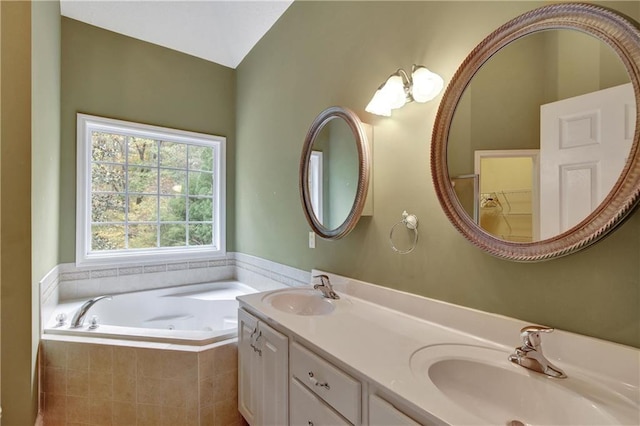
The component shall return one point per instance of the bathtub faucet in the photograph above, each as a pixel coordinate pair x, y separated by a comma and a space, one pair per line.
78, 317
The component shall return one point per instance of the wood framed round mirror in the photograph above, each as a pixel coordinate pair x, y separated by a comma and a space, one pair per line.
604, 205
334, 172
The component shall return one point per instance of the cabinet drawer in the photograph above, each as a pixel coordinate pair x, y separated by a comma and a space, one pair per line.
338, 389
308, 410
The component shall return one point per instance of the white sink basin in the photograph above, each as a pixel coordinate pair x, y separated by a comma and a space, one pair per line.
300, 302
483, 383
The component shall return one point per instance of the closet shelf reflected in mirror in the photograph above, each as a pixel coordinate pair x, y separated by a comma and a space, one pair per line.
508, 213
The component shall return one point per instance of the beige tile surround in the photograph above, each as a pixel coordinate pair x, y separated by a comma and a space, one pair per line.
95, 384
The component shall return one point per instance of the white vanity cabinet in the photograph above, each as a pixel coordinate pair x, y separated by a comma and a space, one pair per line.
263, 365
281, 382
378, 357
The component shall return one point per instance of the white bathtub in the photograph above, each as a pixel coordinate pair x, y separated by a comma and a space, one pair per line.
198, 314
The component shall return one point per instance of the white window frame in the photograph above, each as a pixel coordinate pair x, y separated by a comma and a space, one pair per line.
316, 183
86, 124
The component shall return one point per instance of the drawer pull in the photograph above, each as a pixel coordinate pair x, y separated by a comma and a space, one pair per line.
315, 381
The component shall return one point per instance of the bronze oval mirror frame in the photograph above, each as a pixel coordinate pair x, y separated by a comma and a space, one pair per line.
624, 38
354, 123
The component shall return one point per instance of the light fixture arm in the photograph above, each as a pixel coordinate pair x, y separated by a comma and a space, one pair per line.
407, 82
402, 73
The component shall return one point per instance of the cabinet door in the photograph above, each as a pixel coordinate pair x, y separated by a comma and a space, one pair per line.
248, 365
381, 413
273, 355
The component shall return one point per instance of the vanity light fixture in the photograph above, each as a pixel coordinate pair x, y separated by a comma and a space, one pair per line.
400, 88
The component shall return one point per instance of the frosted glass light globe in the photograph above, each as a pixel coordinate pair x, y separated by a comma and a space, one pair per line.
426, 84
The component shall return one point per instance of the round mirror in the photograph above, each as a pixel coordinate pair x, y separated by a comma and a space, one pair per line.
334, 172
535, 146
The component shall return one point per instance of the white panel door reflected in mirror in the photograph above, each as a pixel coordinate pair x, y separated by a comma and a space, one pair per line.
584, 143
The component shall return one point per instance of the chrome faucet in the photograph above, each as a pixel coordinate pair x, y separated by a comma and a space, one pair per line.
530, 356
78, 317
325, 287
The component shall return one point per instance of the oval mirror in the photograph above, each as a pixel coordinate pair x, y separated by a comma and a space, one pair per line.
334, 172
535, 146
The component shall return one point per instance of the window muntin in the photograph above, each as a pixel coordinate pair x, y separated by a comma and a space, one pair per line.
146, 192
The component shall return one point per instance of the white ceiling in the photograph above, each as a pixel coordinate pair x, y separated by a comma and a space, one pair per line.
221, 31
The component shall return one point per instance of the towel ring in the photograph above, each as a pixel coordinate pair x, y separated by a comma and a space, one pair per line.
411, 222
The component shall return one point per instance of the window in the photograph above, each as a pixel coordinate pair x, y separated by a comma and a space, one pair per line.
316, 183
147, 193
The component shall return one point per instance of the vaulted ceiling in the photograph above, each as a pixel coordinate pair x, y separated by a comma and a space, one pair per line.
221, 31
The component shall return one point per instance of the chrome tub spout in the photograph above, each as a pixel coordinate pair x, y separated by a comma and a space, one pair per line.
81, 313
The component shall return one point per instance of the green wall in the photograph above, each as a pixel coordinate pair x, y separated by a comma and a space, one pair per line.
337, 53
16, 361
30, 145
45, 158
45, 141
111, 75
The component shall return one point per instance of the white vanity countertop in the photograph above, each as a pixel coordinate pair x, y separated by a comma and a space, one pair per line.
378, 341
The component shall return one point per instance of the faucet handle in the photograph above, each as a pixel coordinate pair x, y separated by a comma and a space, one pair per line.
324, 279
325, 287
531, 335
61, 319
